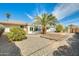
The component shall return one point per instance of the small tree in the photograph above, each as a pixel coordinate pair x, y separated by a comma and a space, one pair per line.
59, 28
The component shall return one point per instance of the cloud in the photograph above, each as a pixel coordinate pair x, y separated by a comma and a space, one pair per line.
73, 20
29, 16
64, 10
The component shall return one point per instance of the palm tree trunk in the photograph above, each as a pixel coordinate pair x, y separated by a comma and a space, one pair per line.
43, 30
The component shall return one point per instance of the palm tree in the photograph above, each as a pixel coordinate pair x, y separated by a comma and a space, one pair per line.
44, 20
8, 16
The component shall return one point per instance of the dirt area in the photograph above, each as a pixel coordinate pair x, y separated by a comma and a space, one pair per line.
8, 48
35, 45
38, 46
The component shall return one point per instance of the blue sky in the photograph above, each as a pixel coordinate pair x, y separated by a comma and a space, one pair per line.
25, 12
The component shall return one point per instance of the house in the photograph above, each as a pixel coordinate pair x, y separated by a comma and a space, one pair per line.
34, 29
8, 24
73, 29
29, 28
51, 29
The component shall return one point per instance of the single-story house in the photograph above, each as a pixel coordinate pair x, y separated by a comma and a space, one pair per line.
73, 29
32, 29
29, 28
8, 24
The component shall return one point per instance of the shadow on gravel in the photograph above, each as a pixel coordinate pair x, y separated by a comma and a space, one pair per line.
72, 50
8, 48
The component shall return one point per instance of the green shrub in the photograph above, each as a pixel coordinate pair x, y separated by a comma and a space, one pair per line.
2, 28
16, 34
59, 28
66, 29
35, 28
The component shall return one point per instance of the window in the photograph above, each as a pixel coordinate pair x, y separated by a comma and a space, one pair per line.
22, 26
31, 28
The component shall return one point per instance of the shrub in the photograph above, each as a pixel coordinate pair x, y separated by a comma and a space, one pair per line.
66, 29
35, 28
2, 28
59, 28
16, 34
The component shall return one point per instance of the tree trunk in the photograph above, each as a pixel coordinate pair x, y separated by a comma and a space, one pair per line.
43, 30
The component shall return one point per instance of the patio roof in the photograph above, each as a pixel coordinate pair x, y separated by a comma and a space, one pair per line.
13, 23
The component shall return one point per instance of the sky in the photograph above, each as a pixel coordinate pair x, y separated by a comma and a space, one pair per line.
66, 13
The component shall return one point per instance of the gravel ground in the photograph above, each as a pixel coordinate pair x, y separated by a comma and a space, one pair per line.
7, 48
34, 45
71, 50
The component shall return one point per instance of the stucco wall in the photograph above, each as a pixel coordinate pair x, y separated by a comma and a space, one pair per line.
7, 29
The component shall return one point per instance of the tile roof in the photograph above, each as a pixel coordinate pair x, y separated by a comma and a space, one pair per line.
13, 22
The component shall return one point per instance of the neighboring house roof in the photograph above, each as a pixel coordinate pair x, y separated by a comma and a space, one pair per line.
13, 23
73, 26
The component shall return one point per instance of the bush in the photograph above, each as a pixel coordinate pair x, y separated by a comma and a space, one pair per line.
59, 28
16, 34
66, 29
2, 28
